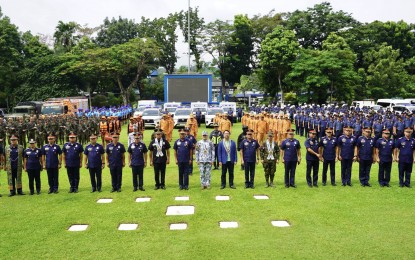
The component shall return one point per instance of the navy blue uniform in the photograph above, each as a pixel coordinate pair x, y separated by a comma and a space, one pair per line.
312, 161
290, 147
346, 145
329, 158
137, 152
52, 153
33, 167
115, 155
406, 149
73, 154
183, 148
249, 154
193, 142
385, 150
365, 155
94, 164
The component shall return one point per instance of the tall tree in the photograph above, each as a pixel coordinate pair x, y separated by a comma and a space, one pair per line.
240, 50
65, 36
315, 24
116, 31
216, 39
197, 25
279, 49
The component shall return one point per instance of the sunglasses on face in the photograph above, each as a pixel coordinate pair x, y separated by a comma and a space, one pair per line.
71, 136
115, 137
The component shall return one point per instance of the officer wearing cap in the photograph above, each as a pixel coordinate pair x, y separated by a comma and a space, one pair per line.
52, 161
94, 161
183, 151
241, 138
291, 156
249, 158
270, 155
137, 158
404, 155
159, 157
364, 150
345, 154
328, 146
205, 155
216, 137
72, 157
13, 164
384, 157
32, 163
312, 158
116, 161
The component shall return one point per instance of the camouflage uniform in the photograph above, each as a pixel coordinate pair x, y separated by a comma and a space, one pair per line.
269, 159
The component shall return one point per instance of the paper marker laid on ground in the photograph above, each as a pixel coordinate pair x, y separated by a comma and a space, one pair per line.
180, 210
182, 198
229, 224
103, 201
78, 227
144, 199
261, 197
280, 223
178, 226
127, 227
222, 198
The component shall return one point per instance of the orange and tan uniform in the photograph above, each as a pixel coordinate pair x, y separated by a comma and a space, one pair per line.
251, 122
171, 128
192, 125
262, 130
245, 119
274, 128
285, 126
165, 126
279, 129
226, 125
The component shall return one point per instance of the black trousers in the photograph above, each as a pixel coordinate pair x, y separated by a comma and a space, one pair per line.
326, 164
116, 177
312, 165
346, 170
405, 170
216, 161
289, 177
160, 174
53, 178
249, 173
227, 167
95, 175
183, 174
138, 175
73, 176
34, 176
364, 171
384, 175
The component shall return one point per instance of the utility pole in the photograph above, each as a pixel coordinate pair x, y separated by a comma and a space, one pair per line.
188, 36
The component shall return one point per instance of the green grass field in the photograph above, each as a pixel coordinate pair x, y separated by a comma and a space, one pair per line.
327, 222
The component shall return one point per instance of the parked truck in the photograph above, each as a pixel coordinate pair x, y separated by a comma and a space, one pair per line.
26, 108
68, 105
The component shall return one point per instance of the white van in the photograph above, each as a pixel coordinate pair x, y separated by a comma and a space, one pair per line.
203, 106
171, 107
226, 105
147, 103
389, 103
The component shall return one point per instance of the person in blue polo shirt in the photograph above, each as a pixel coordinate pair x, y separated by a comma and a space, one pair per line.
291, 156
364, 150
345, 154
312, 158
32, 163
137, 159
384, 157
404, 155
328, 146
94, 161
52, 161
249, 158
116, 161
183, 151
72, 157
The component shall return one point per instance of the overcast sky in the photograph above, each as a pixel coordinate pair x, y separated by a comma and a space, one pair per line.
42, 16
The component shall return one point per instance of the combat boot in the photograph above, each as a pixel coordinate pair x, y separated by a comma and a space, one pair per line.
20, 192
12, 193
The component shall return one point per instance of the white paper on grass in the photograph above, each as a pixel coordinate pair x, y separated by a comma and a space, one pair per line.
142, 199
222, 198
104, 201
280, 223
228, 224
180, 210
76, 228
261, 197
178, 226
182, 198
126, 227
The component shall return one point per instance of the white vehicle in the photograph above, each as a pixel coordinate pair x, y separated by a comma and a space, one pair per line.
139, 111
364, 103
202, 106
392, 102
151, 117
181, 116
146, 103
211, 114
226, 105
171, 107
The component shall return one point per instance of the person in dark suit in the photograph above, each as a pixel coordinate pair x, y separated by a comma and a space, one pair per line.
228, 157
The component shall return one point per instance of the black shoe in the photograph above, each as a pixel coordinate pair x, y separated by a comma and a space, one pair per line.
180, 188
232, 187
252, 186
99, 189
113, 190
32, 193
382, 185
1, 195
324, 184
222, 187
401, 185
135, 189
368, 184
38, 192
93, 190
119, 190
246, 186
363, 185
315, 186
56, 191
50, 191
287, 186
310, 186
20, 192
12, 193
75, 190
163, 187
293, 185
186, 188
408, 185
333, 184
344, 184
70, 190
349, 184
387, 185
142, 189
156, 188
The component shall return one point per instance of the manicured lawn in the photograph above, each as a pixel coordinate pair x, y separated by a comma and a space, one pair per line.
327, 222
